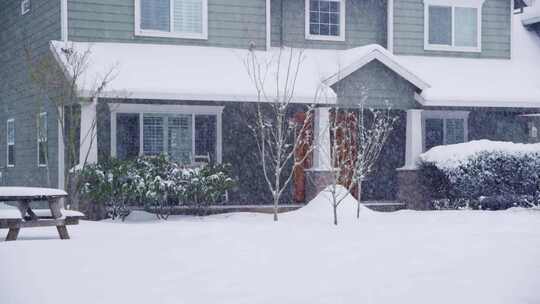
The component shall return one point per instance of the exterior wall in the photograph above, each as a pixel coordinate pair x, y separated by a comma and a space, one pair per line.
496, 30
379, 85
497, 125
231, 23
365, 24
239, 147
17, 98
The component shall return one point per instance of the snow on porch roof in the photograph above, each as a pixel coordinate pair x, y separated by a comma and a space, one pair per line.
483, 82
172, 72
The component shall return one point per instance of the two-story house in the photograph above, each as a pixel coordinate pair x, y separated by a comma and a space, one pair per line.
453, 70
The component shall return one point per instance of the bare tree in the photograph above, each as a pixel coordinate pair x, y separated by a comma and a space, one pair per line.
373, 134
276, 134
59, 80
358, 137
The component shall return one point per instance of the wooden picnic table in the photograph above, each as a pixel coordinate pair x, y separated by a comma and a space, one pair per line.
24, 197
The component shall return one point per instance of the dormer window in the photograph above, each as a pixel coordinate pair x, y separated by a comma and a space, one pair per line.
453, 25
25, 7
325, 20
172, 18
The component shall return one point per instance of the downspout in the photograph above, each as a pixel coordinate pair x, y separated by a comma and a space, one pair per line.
390, 26
64, 20
268, 25
281, 24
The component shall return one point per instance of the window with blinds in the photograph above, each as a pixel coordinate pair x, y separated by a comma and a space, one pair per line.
173, 18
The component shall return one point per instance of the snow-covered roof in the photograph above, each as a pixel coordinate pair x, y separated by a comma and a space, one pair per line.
148, 71
531, 14
483, 82
173, 72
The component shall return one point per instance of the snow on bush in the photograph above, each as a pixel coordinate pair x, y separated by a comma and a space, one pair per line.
452, 156
483, 173
153, 182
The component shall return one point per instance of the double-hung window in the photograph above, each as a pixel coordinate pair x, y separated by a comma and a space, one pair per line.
172, 18
10, 147
451, 25
42, 140
325, 20
444, 128
190, 135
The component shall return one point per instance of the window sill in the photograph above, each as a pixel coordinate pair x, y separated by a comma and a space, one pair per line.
10, 166
447, 48
160, 34
325, 38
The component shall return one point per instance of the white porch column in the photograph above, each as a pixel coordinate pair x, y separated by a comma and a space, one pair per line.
413, 147
321, 153
88, 145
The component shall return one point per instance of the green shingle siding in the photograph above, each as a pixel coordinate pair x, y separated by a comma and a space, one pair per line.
365, 24
230, 23
409, 30
17, 98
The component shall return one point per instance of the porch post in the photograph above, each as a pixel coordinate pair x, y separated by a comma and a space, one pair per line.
318, 177
321, 153
88, 136
413, 145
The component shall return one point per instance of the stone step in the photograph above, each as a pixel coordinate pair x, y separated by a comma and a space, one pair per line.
384, 206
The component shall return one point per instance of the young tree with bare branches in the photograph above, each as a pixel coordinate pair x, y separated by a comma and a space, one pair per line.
358, 137
59, 81
277, 135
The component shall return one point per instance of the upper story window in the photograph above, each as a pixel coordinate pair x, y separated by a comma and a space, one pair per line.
325, 20
25, 7
451, 25
172, 18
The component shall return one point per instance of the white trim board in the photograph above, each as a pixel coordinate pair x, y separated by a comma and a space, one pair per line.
475, 104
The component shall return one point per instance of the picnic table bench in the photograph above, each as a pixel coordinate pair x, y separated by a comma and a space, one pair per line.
26, 217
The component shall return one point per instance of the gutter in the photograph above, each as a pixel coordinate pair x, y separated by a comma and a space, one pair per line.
390, 26
64, 20
268, 25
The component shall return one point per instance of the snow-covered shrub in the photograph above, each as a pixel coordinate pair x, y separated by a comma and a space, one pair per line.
497, 176
155, 183
205, 186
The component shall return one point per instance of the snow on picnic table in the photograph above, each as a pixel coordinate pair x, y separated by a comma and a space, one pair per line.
403, 257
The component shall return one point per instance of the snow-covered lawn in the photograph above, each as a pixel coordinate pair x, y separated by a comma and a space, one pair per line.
403, 257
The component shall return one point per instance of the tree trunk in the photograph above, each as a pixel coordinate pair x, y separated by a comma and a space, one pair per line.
335, 214
276, 203
359, 199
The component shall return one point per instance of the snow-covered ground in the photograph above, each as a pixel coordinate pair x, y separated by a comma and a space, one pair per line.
403, 257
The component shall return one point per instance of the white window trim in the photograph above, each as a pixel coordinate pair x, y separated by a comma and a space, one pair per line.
23, 10
142, 109
444, 115
342, 22
477, 4
153, 33
39, 140
11, 120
